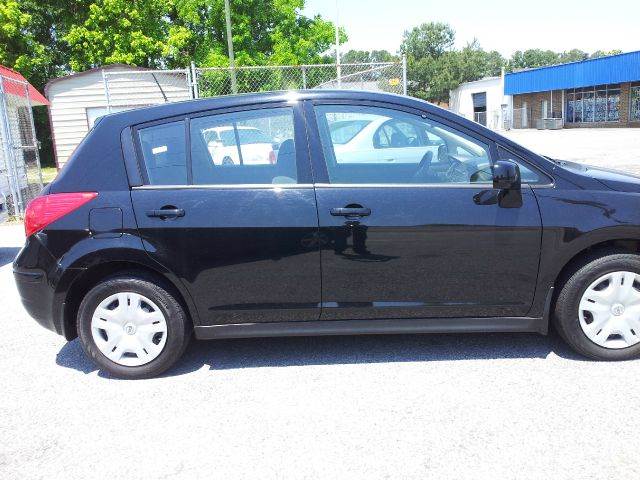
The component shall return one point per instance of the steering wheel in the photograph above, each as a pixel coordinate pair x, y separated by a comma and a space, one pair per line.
457, 172
423, 167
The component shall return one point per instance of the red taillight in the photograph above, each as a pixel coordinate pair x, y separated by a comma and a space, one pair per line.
44, 210
272, 158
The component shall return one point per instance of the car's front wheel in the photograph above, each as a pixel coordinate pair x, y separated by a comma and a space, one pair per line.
598, 308
132, 327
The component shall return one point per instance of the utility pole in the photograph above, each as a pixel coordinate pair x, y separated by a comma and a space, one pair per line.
338, 46
232, 62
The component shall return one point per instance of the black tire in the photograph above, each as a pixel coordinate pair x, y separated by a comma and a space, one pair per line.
178, 325
567, 303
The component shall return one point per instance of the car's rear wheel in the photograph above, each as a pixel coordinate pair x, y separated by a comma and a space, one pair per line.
132, 326
598, 309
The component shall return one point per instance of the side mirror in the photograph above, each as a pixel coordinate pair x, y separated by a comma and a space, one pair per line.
506, 175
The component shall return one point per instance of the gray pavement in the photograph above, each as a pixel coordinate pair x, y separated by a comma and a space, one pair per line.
617, 148
438, 406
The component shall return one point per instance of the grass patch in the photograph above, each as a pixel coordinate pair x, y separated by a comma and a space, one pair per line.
48, 174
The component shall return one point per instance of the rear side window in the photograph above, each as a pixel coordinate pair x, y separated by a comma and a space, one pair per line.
249, 147
163, 150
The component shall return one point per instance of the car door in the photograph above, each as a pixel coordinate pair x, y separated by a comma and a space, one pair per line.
422, 238
242, 237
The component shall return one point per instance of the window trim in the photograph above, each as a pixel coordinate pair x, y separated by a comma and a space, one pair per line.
319, 162
303, 161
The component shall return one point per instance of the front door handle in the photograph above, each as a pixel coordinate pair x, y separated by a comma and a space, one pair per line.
351, 212
164, 213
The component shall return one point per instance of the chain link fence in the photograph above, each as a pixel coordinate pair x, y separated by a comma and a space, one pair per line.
381, 77
137, 88
20, 176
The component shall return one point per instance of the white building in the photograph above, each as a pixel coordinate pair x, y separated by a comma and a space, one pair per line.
483, 101
78, 100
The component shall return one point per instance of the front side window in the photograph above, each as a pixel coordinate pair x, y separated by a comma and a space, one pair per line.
396, 147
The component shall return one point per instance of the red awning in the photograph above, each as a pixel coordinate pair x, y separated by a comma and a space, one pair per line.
18, 89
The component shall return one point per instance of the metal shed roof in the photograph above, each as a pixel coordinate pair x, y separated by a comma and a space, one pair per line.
624, 67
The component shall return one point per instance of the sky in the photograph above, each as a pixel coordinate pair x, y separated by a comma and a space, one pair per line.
503, 25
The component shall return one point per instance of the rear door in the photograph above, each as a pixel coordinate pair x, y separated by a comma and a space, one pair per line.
242, 237
427, 237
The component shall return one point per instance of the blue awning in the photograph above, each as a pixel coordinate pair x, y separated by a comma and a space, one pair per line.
598, 71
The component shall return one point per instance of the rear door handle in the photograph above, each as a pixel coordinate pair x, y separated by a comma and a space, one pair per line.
166, 213
351, 212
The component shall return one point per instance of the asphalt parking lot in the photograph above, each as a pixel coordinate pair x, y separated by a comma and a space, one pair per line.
440, 406
617, 148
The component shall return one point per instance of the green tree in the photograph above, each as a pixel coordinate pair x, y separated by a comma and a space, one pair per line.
431, 39
19, 47
574, 55
171, 33
368, 56
120, 31
604, 53
532, 58
435, 67
429, 50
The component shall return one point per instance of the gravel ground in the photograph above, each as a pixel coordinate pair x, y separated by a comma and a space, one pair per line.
443, 406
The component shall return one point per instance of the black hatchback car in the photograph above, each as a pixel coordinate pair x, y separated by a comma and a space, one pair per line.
324, 213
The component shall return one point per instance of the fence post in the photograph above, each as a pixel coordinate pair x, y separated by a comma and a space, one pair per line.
194, 80
404, 74
7, 144
35, 137
304, 77
106, 91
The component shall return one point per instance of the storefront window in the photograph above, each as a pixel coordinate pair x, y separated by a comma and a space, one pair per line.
578, 113
571, 101
600, 114
634, 111
595, 104
613, 105
587, 106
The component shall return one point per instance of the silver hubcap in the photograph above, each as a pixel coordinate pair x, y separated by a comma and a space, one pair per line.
129, 329
609, 310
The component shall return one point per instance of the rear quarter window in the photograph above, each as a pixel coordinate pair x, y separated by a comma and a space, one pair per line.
164, 153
